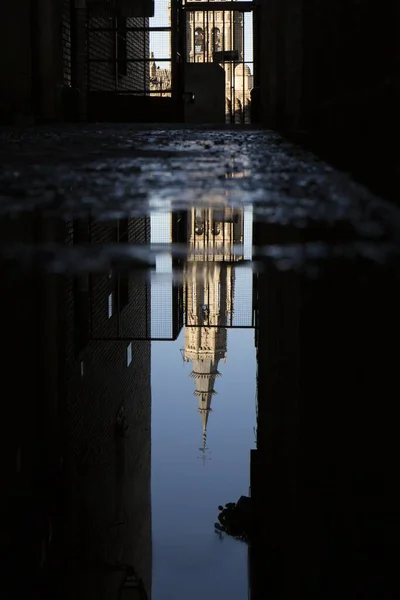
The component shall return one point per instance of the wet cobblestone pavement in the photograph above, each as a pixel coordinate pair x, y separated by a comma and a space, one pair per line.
123, 171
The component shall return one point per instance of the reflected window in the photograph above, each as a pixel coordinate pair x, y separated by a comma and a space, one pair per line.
198, 40
216, 39
129, 354
110, 305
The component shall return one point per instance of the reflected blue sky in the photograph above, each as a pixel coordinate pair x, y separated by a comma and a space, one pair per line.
189, 559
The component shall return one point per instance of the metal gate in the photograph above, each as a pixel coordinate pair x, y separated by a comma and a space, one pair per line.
220, 33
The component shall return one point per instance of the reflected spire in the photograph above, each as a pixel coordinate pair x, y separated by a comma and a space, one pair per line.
203, 449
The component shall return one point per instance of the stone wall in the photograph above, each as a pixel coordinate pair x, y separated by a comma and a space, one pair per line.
15, 62
77, 441
107, 511
325, 500
316, 58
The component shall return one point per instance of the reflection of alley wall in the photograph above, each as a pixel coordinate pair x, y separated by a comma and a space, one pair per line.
78, 441
108, 424
323, 478
273, 464
208, 296
28, 318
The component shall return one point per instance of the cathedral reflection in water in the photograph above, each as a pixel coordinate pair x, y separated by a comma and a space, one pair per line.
79, 463
206, 288
215, 244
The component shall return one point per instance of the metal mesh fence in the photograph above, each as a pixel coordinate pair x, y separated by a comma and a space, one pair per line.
129, 54
135, 307
162, 318
243, 313
219, 298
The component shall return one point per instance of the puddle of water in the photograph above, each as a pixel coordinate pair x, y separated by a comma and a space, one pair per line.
200, 459
136, 321
176, 287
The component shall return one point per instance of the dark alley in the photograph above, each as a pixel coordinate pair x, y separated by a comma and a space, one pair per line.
200, 252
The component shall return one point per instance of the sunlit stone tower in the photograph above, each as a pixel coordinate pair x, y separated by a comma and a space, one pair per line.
215, 31
208, 32
215, 244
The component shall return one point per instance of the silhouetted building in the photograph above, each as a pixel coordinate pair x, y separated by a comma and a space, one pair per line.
160, 79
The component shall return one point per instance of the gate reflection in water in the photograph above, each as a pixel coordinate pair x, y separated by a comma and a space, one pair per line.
203, 411
200, 290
